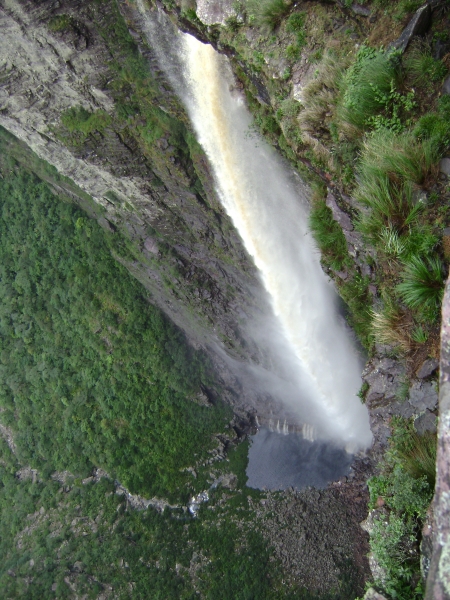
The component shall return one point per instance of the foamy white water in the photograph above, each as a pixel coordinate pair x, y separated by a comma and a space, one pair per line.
257, 192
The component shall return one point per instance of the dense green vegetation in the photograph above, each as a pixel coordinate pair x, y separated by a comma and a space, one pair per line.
57, 540
91, 373
404, 488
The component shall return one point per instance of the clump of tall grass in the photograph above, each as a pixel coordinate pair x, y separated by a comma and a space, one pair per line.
364, 86
392, 210
389, 166
320, 93
388, 327
419, 457
422, 285
398, 156
268, 13
434, 127
421, 67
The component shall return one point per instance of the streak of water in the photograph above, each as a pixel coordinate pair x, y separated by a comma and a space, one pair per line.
257, 193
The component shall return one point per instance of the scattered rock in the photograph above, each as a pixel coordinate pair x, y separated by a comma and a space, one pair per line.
384, 376
440, 49
338, 214
427, 368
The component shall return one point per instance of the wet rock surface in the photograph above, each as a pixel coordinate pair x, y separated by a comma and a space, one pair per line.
390, 393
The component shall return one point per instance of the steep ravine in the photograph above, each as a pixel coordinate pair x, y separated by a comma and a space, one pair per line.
152, 188
159, 196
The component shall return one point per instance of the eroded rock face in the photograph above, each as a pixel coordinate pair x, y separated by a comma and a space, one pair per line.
438, 582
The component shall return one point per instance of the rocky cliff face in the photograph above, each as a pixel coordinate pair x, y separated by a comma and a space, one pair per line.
86, 96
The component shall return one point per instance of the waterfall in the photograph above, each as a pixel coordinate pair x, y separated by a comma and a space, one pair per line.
269, 210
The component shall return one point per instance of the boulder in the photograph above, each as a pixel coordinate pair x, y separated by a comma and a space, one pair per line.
426, 422
423, 396
418, 25
427, 368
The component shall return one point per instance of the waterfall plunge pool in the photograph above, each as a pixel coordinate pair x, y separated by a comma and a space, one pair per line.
277, 461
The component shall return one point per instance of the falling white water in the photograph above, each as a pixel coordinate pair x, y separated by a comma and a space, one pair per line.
257, 192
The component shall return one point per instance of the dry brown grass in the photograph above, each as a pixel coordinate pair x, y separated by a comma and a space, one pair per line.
392, 327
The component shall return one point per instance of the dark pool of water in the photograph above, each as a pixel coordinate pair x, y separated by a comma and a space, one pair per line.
277, 461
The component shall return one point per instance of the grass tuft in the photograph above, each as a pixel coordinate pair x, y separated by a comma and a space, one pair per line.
421, 67
388, 327
268, 13
423, 285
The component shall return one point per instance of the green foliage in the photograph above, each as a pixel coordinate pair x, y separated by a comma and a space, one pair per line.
87, 536
393, 107
289, 108
422, 285
435, 126
92, 374
367, 86
80, 120
389, 166
61, 23
417, 454
355, 292
423, 68
406, 484
268, 13
329, 236
296, 24
419, 334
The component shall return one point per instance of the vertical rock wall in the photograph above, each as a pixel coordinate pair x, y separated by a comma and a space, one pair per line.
438, 583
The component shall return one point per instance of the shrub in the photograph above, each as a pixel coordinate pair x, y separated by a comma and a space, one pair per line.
392, 210
290, 107
293, 52
372, 75
406, 483
268, 13
422, 286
